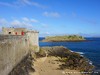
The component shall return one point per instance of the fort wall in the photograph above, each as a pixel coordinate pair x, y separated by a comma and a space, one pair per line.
33, 40
12, 50
15, 44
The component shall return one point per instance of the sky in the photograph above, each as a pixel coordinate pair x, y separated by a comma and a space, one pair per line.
52, 17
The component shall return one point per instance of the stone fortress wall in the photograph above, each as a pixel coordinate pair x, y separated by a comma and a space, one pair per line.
14, 48
13, 31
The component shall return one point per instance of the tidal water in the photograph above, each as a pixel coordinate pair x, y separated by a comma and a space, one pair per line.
90, 49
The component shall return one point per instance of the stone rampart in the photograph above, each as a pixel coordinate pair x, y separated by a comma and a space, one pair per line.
12, 50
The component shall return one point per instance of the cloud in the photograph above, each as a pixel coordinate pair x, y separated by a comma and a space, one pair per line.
47, 33
42, 34
51, 14
16, 23
25, 19
23, 22
29, 20
34, 20
3, 21
44, 25
20, 3
31, 3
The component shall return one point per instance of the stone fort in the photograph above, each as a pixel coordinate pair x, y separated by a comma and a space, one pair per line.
15, 45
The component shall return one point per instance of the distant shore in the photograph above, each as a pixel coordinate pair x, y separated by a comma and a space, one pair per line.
64, 40
67, 38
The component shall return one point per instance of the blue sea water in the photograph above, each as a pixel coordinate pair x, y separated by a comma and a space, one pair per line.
90, 49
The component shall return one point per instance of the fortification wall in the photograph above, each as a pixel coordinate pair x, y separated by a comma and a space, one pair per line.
33, 40
13, 31
12, 50
6, 31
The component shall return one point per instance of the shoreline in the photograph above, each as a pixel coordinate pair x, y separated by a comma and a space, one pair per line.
73, 57
50, 61
67, 41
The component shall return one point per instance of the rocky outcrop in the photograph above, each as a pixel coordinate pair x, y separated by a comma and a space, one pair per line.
71, 60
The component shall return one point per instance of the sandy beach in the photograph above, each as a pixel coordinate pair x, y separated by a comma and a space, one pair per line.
49, 66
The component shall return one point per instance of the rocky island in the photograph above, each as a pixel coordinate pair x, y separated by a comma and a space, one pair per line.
66, 38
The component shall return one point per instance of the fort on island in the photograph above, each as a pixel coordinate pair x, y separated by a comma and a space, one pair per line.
15, 45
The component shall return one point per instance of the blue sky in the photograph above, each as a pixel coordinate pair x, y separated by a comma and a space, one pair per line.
52, 17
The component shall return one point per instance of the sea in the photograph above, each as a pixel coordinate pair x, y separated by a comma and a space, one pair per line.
89, 49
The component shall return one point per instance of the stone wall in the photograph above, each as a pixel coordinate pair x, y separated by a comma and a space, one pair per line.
12, 50
33, 40
31, 35
13, 31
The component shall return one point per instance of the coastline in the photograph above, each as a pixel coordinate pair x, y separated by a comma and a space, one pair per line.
65, 41
87, 47
49, 61
72, 57
41, 66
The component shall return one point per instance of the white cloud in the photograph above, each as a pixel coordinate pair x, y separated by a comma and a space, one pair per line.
16, 23
51, 14
29, 20
20, 3
27, 25
25, 19
47, 33
44, 25
23, 22
31, 3
33, 20
3, 21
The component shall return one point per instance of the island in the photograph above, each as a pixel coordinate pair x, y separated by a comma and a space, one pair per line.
65, 38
